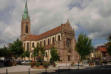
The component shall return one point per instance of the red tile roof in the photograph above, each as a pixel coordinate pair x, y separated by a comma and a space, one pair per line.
43, 35
102, 48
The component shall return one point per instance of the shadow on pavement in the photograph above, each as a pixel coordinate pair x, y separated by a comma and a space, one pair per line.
94, 70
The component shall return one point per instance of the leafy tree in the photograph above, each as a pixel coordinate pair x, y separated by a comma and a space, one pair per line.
109, 50
16, 48
83, 46
35, 52
5, 52
54, 55
25, 54
39, 53
108, 45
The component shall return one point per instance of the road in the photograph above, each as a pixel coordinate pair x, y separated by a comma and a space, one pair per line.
22, 69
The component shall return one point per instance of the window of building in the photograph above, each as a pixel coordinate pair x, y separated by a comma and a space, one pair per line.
46, 54
58, 37
69, 58
48, 41
44, 43
24, 45
26, 28
33, 45
40, 43
53, 40
68, 42
27, 46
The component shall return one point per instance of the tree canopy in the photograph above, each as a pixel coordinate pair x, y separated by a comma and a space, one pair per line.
39, 53
83, 46
54, 55
16, 48
5, 52
108, 45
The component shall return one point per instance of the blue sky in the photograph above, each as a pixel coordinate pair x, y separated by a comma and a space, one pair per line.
93, 17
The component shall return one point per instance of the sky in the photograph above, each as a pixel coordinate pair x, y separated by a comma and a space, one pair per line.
92, 17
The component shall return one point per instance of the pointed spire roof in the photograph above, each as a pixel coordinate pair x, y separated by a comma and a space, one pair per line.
26, 4
68, 22
25, 15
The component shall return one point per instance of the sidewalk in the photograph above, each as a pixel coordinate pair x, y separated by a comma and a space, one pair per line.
18, 68
24, 68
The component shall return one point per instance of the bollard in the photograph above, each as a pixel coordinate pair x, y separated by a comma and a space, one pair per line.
46, 70
78, 65
29, 71
6, 71
58, 70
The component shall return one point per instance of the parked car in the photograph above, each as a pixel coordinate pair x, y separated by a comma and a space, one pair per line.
19, 62
1, 63
26, 62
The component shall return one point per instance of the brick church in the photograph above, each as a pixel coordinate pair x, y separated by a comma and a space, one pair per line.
61, 37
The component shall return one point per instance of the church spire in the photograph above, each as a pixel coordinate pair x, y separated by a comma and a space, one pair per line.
25, 15
26, 4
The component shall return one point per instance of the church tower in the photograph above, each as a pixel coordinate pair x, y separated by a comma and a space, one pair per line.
25, 23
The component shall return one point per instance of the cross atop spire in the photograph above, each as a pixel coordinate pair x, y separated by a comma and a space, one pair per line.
26, 4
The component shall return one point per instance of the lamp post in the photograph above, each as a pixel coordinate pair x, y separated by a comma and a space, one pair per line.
78, 64
6, 70
29, 71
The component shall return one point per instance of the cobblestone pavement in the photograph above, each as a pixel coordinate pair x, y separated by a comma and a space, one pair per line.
23, 69
18, 68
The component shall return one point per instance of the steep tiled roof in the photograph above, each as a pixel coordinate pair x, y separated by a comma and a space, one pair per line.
102, 48
43, 35
31, 37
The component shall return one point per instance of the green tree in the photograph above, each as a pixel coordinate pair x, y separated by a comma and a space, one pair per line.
83, 46
25, 54
54, 55
108, 45
5, 52
39, 53
35, 52
16, 48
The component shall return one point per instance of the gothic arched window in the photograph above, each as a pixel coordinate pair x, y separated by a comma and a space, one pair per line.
68, 42
26, 28
44, 43
24, 45
53, 40
33, 44
48, 41
58, 37
27, 46
46, 54
40, 43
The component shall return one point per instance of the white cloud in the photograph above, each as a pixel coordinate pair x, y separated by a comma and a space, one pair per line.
3, 4
92, 15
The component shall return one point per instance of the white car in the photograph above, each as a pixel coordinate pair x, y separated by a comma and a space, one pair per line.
26, 62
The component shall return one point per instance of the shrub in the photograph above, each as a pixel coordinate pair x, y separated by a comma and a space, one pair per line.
72, 64
46, 64
38, 64
33, 64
